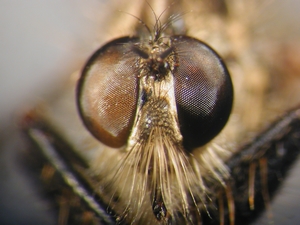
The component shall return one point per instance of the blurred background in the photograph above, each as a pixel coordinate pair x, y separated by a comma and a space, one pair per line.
42, 43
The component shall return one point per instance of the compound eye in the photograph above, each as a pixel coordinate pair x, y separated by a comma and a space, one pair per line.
203, 91
107, 92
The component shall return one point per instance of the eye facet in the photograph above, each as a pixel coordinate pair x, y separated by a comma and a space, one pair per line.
107, 92
203, 91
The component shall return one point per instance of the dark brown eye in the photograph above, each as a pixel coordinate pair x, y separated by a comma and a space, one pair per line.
107, 92
203, 91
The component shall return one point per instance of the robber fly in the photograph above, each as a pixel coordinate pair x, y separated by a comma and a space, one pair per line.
156, 128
